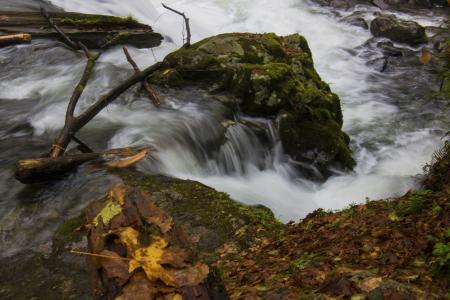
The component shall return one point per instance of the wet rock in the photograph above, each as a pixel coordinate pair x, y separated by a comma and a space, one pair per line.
397, 30
272, 77
356, 19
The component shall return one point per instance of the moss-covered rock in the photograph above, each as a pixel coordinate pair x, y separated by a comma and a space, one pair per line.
398, 30
273, 77
210, 218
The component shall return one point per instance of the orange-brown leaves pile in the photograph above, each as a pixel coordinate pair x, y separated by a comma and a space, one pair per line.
144, 254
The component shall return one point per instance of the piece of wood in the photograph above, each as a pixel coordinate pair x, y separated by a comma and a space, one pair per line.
95, 31
150, 92
42, 169
14, 39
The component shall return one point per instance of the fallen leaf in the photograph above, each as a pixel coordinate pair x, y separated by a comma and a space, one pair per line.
109, 211
147, 258
190, 276
425, 56
139, 288
116, 269
152, 214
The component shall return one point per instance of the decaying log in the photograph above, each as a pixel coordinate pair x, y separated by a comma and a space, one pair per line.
14, 39
186, 23
150, 92
95, 31
42, 169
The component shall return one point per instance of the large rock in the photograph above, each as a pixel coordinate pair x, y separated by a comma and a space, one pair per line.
397, 30
273, 77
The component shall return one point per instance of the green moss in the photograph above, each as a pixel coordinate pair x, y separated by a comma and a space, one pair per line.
94, 20
211, 214
66, 233
306, 136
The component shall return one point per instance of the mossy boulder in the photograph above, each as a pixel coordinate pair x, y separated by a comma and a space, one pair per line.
210, 218
398, 30
273, 77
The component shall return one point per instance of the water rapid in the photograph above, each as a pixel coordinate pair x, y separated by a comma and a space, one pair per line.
394, 132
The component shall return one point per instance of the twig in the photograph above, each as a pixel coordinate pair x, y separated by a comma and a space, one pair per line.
82, 146
67, 40
98, 255
186, 22
151, 93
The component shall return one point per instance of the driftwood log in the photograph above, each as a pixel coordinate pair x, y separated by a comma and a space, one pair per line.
36, 170
95, 31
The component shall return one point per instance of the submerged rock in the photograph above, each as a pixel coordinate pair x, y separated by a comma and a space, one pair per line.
273, 77
356, 19
397, 30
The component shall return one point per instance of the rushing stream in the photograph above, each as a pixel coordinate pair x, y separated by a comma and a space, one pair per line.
394, 130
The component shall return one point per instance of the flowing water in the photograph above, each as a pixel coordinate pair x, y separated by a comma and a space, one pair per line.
394, 130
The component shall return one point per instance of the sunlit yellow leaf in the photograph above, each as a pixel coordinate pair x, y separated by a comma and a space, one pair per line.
109, 211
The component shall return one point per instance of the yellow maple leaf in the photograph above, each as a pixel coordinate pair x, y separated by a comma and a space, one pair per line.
148, 258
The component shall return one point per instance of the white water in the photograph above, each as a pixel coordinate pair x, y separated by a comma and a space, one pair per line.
390, 149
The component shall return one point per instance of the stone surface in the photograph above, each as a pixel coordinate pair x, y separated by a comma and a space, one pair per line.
397, 30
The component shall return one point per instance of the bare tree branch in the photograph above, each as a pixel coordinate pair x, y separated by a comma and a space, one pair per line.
67, 40
151, 93
74, 124
186, 22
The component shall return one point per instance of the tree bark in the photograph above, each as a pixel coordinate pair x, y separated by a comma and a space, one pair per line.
95, 31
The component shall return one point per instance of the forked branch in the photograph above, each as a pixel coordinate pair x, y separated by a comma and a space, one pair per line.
151, 93
186, 23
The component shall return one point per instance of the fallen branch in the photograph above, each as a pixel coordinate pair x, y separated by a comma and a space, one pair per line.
186, 22
42, 169
74, 124
14, 39
151, 93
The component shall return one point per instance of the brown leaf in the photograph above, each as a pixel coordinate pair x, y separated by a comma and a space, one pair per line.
339, 287
152, 214
116, 269
425, 56
190, 276
174, 258
139, 288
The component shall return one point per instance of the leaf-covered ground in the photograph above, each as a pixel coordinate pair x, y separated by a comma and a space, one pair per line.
387, 249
